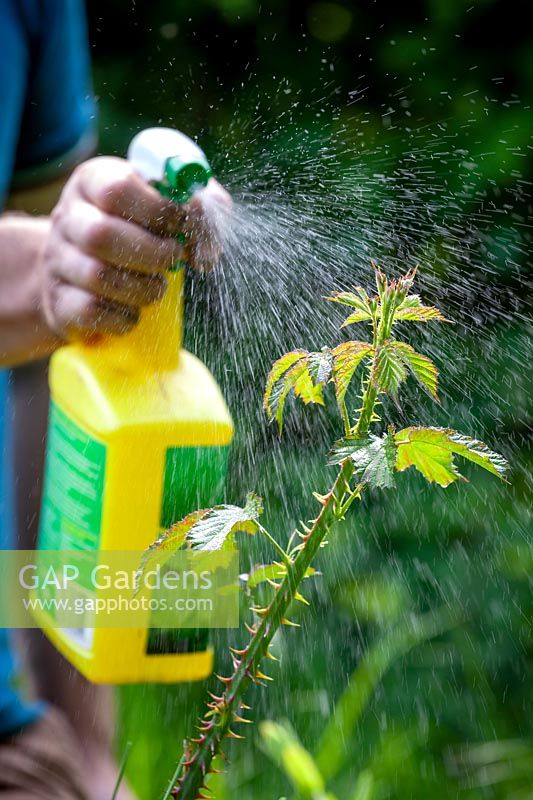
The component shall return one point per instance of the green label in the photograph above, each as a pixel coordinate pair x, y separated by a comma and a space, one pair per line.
194, 478
74, 486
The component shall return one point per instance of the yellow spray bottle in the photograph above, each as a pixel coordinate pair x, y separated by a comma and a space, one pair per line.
138, 437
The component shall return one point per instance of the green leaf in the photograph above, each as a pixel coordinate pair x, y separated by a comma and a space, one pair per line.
166, 544
357, 316
374, 458
305, 373
431, 451
307, 391
345, 448
214, 529
279, 368
310, 385
412, 309
346, 358
390, 370
357, 299
277, 393
421, 366
320, 366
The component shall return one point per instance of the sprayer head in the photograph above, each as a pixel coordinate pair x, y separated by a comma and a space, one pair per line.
171, 161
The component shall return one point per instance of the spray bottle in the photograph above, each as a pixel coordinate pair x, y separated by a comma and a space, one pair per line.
138, 436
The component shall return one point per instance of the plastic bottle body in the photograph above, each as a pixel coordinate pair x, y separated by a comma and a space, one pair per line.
138, 437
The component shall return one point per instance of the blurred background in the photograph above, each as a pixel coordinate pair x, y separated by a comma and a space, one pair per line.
348, 131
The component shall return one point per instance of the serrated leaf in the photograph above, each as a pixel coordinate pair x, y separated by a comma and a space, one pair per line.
357, 299
374, 458
275, 402
166, 544
412, 309
390, 370
431, 451
279, 368
421, 366
345, 448
305, 373
307, 391
320, 366
214, 529
346, 358
357, 316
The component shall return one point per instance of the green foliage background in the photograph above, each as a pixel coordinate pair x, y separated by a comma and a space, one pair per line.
215, 67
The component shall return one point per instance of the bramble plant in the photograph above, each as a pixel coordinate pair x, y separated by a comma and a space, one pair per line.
366, 460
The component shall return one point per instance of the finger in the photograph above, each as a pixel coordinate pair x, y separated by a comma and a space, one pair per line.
116, 240
109, 282
125, 194
75, 310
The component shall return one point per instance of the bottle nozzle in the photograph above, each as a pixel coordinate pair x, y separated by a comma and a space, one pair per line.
171, 161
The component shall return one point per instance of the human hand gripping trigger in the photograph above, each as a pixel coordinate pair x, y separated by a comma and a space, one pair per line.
112, 238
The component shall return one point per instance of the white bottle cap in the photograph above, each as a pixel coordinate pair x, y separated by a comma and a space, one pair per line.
150, 150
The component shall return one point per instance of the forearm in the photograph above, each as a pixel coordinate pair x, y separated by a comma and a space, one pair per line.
24, 333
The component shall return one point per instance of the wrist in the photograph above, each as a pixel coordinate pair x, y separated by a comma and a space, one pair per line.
25, 330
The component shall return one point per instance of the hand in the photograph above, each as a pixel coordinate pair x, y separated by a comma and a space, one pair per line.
111, 239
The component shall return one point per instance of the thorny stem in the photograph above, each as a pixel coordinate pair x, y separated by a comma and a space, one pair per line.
213, 731
224, 711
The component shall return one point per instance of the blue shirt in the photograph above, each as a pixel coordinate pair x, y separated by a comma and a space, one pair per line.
47, 116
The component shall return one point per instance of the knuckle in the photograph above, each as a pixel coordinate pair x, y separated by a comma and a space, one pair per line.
56, 214
111, 196
98, 274
80, 173
90, 313
155, 289
98, 235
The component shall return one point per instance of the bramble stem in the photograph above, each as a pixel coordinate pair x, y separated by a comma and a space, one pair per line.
189, 778
197, 765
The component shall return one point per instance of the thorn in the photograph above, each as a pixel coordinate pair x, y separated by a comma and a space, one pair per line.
217, 698
262, 676
322, 498
224, 680
301, 598
273, 583
232, 735
259, 611
290, 623
271, 656
245, 707
239, 652
252, 630
237, 718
